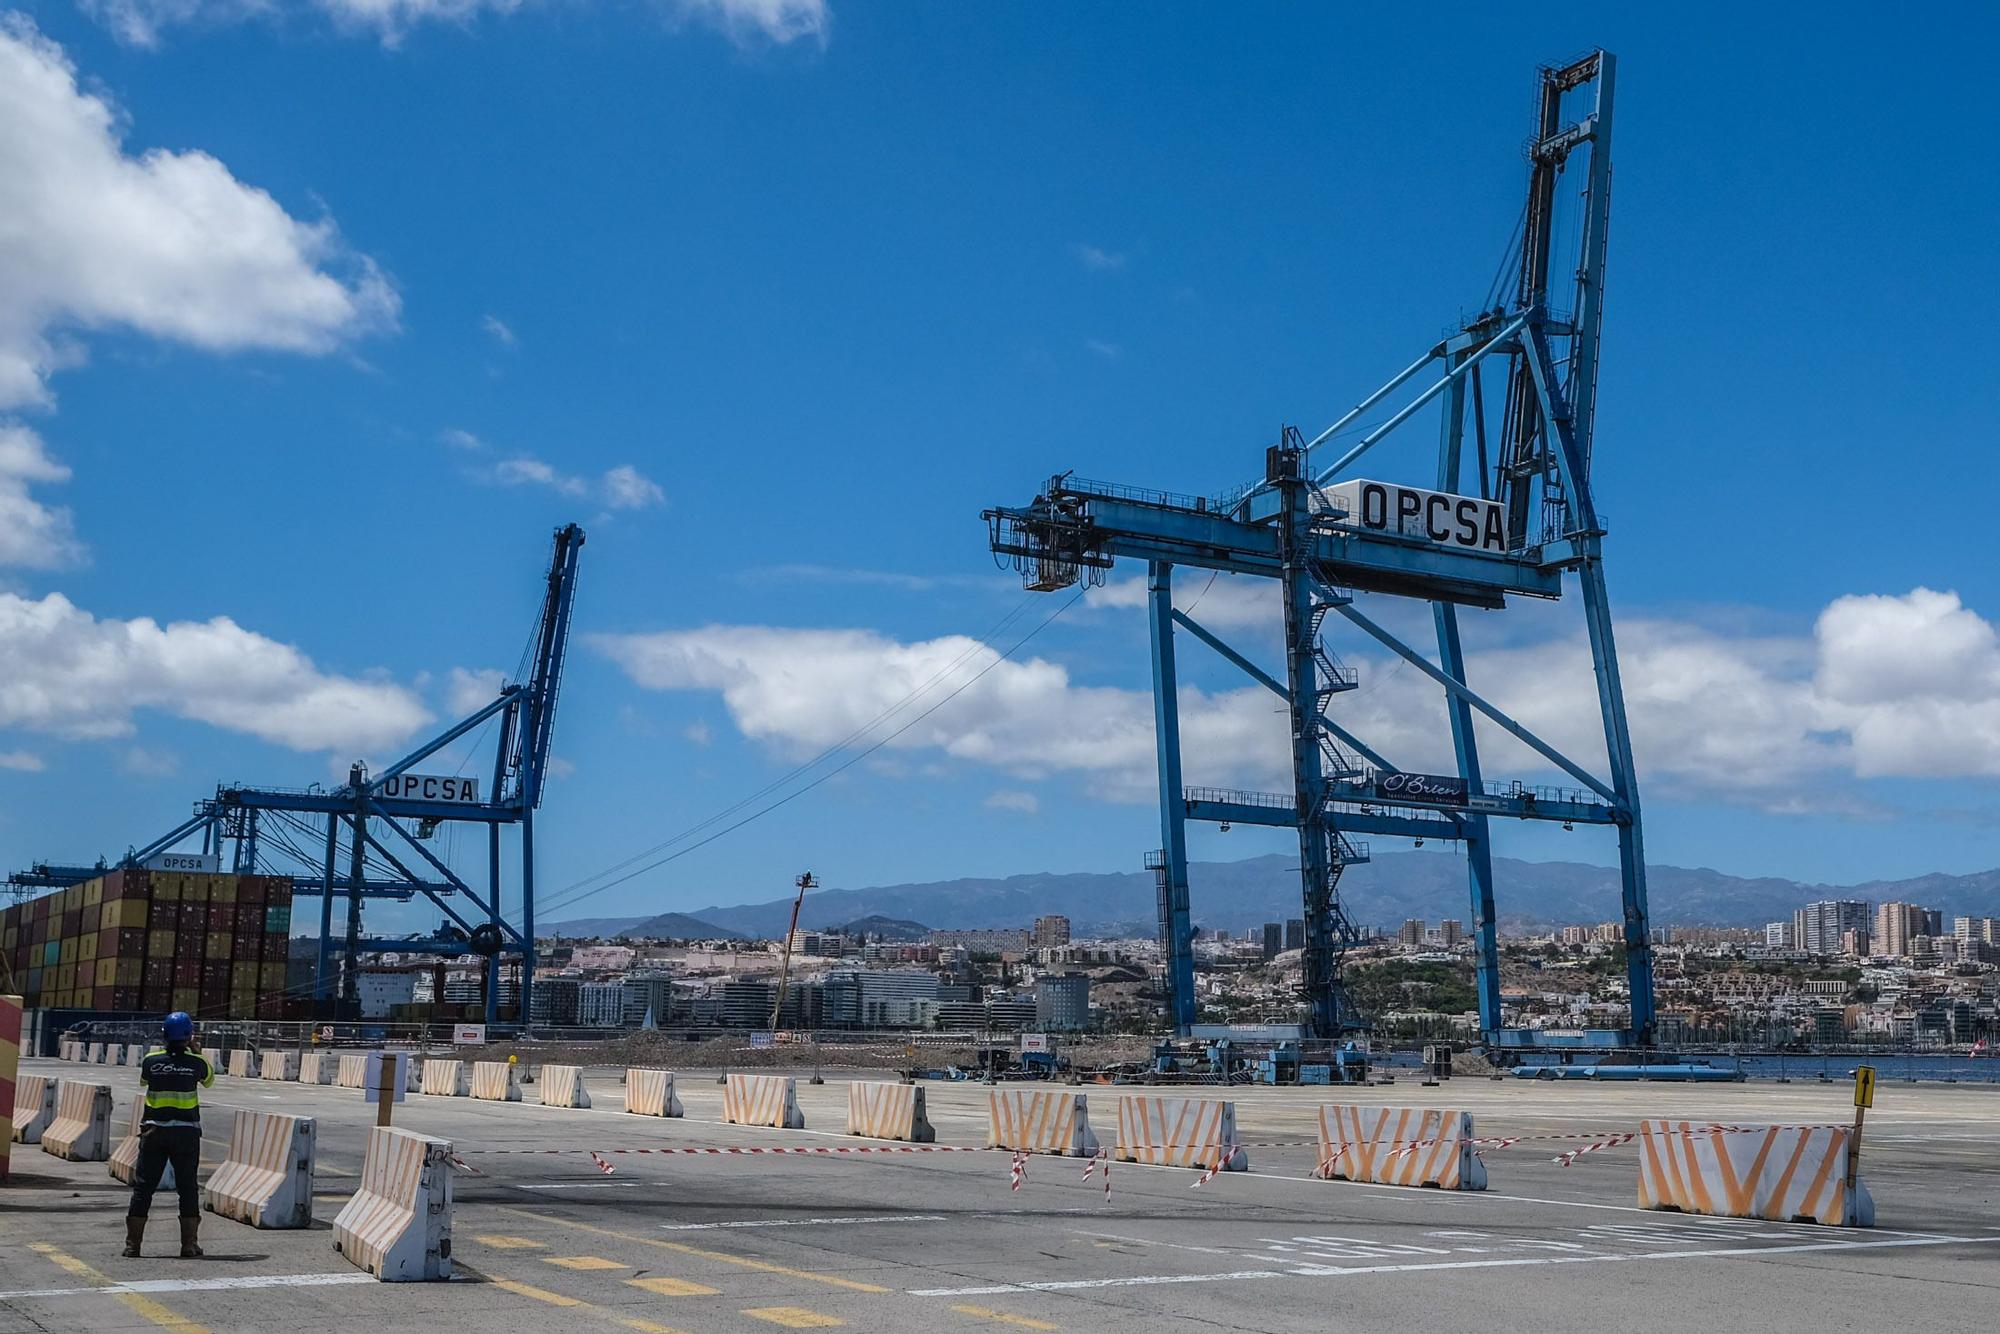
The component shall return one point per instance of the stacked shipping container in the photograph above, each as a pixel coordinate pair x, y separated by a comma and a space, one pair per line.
154, 941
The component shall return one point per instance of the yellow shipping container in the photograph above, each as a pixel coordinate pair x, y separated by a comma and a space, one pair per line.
107, 973
222, 889
129, 913
72, 898
66, 977
271, 977
160, 944
242, 1002
243, 977
86, 947
194, 888
187, 998
66, 951
93, 891
128, 972
219, 946
166, 886
10, 937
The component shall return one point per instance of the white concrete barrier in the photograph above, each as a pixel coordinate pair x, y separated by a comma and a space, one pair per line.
213, 1055
762, 1100
1179, 1132
353, 1072
279, 1065
94, 1054
124, 1161
135, 1052
240, 1063
34, 1107
888, 1111
1039, 1121
1399, 1146
317, 1067
81, 1131
114, 1053
445, 1079
398, 1224
651, 1093
266, 1178
495, 1081
562, 1086
1787, 1174
65, 1051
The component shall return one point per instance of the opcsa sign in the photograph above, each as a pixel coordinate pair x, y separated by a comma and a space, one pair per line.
1435, 516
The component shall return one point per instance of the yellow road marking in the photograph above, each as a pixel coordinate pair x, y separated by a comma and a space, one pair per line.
500, 1243
793, 1317
671, 1287
987, 1313
137, 1303
578, 1304
583, 1262
742, 1261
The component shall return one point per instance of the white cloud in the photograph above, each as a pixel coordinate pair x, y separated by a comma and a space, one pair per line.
1008, 799
458, 439
1226, 602
527, 471
143, 763
168, 244
32, 534
499, 330
1904, 686
1096, 258
21, 761
1108, 351
473, 688
626, 488
65, 672
698, 733
141, 22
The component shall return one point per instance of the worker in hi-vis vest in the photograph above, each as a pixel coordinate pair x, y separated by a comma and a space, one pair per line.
171, 1078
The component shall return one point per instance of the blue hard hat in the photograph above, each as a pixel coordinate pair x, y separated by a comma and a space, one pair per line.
179, 1028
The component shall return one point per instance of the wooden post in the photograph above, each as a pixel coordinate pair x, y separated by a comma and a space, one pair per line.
385, 1096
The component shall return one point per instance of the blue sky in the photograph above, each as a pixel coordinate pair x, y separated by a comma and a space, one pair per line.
775, 296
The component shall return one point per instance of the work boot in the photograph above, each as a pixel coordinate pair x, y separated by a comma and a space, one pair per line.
190, 1226
135, 1232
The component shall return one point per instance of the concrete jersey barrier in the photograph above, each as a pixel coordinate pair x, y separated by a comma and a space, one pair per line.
94, 1054
651, 1093
353, 1072
1399, 1146
81, 1131
1179, 1132
317, 1067
114, 1053
266, 1178
124, 1160
888, 1111
135, 1052
34, 1107
279, 1065
445, 1079
562, 1086
495, 1081
213, 1055
239, 1063
1039, 1121
1785, 1174
398, 1224
762, 1100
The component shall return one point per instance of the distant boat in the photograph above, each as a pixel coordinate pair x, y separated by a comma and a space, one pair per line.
1980, 1048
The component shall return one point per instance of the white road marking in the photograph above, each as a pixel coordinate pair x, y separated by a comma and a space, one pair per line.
1148, 1241
576, 1185
1340, 1271
197, 1285
801, 1222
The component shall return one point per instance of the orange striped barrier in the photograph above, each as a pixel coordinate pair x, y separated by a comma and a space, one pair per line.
124, 1161
398, 1224
317, 1067
239, 1063
34, 1106
651, 1093
353, 1071
1399, 1146
266, 1178
279, 1065
81, 1131
888, 1111
12, 1114
1039, 1121
1179, 1132
762, 1100
444, 1078
1787, 1174
562, 1086
494, 1081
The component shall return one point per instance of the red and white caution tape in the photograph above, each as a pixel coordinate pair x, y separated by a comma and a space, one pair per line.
603, 1164
1017, 1172
1565, 1159
1099, 1162
1221, 1160
760, 1149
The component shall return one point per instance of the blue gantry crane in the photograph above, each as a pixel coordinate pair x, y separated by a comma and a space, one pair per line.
1512, 521
381, 825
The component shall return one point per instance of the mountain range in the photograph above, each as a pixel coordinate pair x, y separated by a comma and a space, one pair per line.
1240, 896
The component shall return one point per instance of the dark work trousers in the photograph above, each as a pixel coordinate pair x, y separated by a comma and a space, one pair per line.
158, 1146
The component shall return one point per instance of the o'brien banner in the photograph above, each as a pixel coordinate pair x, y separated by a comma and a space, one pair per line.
1432, 789
1436, 516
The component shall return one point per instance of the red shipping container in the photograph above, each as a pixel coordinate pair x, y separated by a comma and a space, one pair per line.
156, 1000
253, 889
128, 942
126, 999
72, 923
89, 918
221, 916
187, 947
248, 917
165, 917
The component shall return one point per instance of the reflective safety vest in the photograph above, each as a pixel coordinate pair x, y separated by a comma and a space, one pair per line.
173, 1081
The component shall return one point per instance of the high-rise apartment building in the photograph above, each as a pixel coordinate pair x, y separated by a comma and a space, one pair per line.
1818, 927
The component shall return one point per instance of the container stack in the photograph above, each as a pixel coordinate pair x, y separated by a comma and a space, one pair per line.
151, 941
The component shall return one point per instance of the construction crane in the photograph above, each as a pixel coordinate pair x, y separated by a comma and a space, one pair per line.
381, 824
1510, 523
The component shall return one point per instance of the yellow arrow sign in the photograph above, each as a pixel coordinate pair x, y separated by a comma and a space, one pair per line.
1864, 1086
